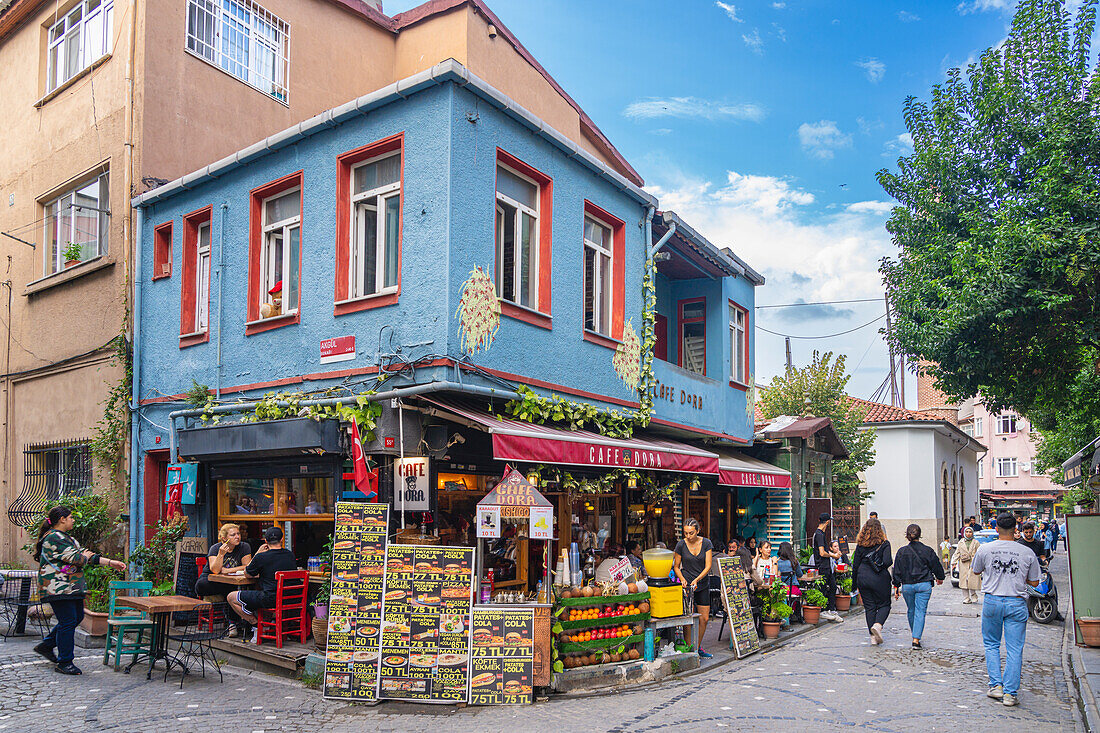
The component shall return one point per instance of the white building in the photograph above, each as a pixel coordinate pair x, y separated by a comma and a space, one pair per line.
925, 472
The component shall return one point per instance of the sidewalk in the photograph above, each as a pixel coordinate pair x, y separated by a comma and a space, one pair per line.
1085, 662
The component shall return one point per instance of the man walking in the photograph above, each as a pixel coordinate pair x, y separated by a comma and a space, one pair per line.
1029, 540
1007, 568
823, 561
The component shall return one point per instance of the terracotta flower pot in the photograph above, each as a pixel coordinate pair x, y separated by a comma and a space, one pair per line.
320, 633
843, 601
94, 623
811, 614
771, 629
1090, 630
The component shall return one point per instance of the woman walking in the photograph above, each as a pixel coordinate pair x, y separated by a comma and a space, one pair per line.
61, 584
871, 570
915, 567
969, 581
692, 559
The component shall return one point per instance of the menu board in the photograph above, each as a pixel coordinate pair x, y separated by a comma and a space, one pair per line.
735, 593
355, 603
425, 653
502, 663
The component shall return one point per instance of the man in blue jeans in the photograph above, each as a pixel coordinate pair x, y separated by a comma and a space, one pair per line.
1007, 568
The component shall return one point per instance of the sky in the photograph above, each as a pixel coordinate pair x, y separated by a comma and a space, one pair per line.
762, 123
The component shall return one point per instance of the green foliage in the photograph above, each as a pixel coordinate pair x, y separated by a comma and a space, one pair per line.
92, 520
97, 594
535, 408
284, 405
158, 557
804, 554
775, 601
1078, 495
818, 388
73, 252
997, 282
313, 681
814, 597
844, 582
108, 445
198, 396
325, 589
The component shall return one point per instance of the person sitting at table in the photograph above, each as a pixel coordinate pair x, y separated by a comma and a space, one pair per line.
230, 551
271, 558
314, 506
634, 554
762, 563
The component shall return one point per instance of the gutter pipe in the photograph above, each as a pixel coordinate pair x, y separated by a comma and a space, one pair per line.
136, 528
221, 273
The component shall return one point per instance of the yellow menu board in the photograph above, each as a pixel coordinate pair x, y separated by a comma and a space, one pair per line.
502, 663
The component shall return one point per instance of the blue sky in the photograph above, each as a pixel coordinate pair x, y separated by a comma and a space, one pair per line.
762, 124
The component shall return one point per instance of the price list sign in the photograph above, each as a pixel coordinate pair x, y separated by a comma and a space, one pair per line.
425, 651
502, 662
355, 603
735, 594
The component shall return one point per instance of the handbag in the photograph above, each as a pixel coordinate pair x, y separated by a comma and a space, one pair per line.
875, 561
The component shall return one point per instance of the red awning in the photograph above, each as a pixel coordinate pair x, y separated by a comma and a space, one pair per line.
737, 469
516, 440
1019, 497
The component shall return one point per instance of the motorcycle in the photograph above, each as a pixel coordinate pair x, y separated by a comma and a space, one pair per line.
1042, 602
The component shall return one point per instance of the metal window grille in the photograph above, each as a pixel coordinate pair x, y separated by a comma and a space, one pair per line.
244, 40
50, 472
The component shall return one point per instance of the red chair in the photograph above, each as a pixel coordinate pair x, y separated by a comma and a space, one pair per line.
290, 616
205, 618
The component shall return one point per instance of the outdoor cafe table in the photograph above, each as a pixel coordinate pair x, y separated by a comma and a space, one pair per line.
161, 609
24, 577
237, 579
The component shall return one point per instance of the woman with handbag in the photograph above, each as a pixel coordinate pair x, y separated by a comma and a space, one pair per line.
969, 581
871, 571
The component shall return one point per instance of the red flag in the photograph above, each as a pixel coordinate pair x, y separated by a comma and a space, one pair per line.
366, 481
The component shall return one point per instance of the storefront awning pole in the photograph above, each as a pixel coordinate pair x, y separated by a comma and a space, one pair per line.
401, 452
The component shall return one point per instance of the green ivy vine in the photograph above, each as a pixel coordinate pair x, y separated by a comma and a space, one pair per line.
652, 491
284, 405
108, 443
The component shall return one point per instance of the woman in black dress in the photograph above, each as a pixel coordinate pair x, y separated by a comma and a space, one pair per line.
871, 571
692, 560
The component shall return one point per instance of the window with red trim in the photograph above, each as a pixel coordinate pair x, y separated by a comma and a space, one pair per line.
524, 203
162, 251
368, 225
195, 285
275, 254
604, 272
739, 344
693, 335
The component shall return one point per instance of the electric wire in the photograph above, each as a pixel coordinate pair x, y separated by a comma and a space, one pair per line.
827, 336
821, 302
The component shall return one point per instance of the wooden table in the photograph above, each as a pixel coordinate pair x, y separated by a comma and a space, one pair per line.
688, 619
237, 579
161, 609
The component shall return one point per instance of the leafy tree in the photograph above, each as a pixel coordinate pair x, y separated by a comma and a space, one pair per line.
818, 389
997, 282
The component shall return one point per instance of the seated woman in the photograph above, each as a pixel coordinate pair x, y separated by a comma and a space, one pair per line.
762, 563
230, 551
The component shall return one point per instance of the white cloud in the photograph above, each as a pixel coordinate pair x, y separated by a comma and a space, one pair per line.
661, 131
906, 17
688, 107
731, 11
874, 68
979, 6
899, 146
822, 139
780, 32
866, 126
754, 41
779, 6
878, 208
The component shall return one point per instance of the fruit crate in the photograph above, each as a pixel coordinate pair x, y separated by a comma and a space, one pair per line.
601, 600
580, 647
593, 623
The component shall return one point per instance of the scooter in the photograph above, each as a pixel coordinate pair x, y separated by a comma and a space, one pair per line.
1042, 602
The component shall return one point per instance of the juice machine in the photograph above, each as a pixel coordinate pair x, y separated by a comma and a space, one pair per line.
666, 596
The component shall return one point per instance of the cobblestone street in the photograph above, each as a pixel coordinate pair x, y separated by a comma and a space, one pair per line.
829, 678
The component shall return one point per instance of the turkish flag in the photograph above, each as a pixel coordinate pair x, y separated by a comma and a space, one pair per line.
366, 480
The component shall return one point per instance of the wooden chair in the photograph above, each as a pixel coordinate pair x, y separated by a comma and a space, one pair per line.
128, 622
290, 617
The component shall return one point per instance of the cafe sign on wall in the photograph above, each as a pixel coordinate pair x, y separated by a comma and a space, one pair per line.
410, 484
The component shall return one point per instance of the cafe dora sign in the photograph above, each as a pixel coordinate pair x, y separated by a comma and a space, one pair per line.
515, 496
648, 456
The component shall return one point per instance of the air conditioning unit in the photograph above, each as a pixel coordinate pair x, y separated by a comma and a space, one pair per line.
1025, 466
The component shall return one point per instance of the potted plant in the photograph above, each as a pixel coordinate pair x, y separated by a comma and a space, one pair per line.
844, 592
1089, 626
775, 608
158, 558
72, 254
97, 597
320, 601
813, 601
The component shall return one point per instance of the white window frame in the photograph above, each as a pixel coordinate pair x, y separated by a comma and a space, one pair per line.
242, 39
78, 40
517, 241
979, 428
1002, 420
202, 278
282, 227
61, 210
1000, 467
602, 291
981, 468
739, 343
360, 203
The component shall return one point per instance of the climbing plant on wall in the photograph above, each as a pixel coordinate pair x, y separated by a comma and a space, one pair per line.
283, 405
478, 312
626, 357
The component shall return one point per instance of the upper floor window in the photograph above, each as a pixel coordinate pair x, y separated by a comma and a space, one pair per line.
202, 276
244, 40
981, 468
376, 225
78, 40
693, 335
195, 284
517, 238
76, 225
597, 276
739, 344
1006, 424
280, 250
979, 427
1006, 467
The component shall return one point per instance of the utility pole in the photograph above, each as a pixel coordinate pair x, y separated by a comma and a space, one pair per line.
895, 397
789, 365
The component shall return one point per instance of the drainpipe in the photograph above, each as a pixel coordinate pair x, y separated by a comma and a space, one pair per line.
221, 270
137, 528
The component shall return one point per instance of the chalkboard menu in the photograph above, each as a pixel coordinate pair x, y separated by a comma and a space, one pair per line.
355, 604
735, 593
425, 652
502, 662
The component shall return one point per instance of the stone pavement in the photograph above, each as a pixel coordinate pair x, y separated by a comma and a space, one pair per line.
828, 678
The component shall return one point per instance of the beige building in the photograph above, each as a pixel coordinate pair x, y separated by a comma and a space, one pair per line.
104, 99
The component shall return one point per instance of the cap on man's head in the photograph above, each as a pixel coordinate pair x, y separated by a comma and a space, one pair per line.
273, 534
825, 517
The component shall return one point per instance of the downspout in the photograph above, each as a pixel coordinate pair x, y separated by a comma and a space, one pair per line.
221, 269
137, 527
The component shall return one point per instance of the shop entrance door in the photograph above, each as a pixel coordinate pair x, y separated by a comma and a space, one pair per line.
698, 508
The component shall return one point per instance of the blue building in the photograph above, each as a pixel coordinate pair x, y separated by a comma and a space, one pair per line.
424, 254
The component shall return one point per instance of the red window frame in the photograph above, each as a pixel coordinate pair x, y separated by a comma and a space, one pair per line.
618, 276
162, 251
660, 337
253, 325
541, 317
743, 386
189, 295
344, 165
680, 330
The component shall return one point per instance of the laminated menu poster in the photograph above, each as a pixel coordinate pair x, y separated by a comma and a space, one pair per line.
425, 653
735, 593
502, 662
355, 603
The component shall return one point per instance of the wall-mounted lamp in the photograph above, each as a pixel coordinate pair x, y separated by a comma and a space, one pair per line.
533, 477
695, 484
631, 482
741, 510
721, 510
658, 511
